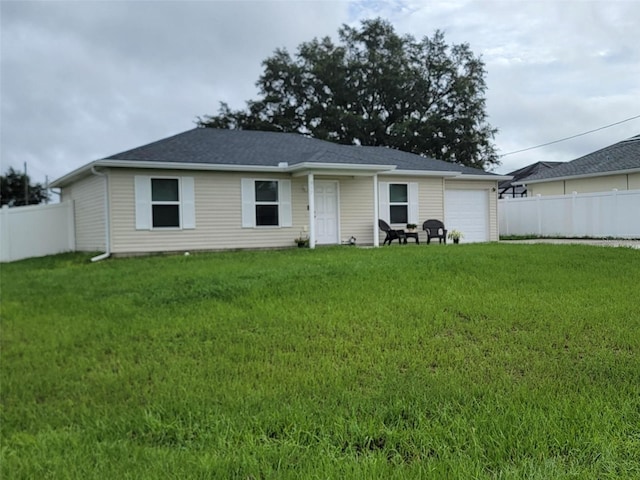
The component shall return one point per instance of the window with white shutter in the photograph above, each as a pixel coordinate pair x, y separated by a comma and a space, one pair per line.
398, 202
266, 203
164, 202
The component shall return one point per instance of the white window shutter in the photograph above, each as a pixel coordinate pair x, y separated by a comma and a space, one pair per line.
284, 197
414, 215
248, 202
188, 203
142, 187
383, 201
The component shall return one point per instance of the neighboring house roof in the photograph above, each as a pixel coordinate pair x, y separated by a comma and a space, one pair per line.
220, 149
621, 157
525, 172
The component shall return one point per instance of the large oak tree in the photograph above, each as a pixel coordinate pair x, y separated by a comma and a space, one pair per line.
375, 88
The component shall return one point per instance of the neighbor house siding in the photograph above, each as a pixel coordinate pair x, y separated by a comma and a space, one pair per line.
550, 188
218, 216
587, 185
596, 184
88, 195
490, 187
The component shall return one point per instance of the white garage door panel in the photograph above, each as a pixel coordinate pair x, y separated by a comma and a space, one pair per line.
468, 212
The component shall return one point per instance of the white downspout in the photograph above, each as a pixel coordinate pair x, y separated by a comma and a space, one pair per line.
376, 212
107, 215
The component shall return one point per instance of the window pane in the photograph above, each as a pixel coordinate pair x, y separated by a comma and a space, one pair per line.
166, 215
398, 193
398, 214
266, 191
164, 189
266, 215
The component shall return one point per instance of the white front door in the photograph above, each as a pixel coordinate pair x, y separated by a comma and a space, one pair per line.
326, 214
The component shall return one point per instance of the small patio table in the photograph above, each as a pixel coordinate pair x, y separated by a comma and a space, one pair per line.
411, 235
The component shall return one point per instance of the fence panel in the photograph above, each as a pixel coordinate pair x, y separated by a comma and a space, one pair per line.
35, 231
602, 214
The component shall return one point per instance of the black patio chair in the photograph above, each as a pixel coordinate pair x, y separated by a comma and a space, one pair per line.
391, 233
435, 229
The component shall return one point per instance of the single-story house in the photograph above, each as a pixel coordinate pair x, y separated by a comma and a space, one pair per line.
514, 188
212, 189
614, 167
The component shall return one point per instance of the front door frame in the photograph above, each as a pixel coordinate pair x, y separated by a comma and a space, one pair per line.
336, 184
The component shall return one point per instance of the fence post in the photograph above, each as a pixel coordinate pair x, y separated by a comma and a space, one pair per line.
71, 225
574, 195
539, 213
5, 245
615, 212
507, 207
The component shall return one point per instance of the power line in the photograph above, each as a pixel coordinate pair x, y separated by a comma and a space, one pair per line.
569, 138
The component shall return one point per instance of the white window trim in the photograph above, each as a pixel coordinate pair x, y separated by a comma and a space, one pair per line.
166, 202
144, 202
249, 202
384, 202
257, 203
398, 204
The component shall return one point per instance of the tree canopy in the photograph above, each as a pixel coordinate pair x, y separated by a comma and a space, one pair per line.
375, 88
13, 193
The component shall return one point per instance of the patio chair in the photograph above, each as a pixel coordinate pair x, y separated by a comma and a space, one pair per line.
435, 229
391, 233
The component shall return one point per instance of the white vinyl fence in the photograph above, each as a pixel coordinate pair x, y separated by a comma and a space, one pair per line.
603, 214
36, 230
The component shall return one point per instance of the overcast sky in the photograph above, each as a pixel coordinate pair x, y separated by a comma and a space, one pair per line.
82, 80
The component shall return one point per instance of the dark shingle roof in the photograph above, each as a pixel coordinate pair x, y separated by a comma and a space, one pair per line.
527, 171
624, 155
260, 148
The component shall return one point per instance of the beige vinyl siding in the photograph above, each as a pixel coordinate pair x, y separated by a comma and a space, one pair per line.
634, 181
355, 196
218, 210
490, 187
299, 212
430, 198
357, 209
431, 194
586, 185
218, 214
546, 188
596, 184
89, 212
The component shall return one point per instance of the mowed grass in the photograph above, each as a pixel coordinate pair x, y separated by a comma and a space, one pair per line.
470, 361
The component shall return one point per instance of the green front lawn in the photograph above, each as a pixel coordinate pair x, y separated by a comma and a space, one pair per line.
470, 361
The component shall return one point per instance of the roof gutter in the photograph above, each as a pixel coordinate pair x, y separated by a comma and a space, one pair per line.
339, 168
65, 180
492, 177
107, 215
423, 173
577, 177
303, 168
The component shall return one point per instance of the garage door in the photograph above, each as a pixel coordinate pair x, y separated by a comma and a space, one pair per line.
468, 212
